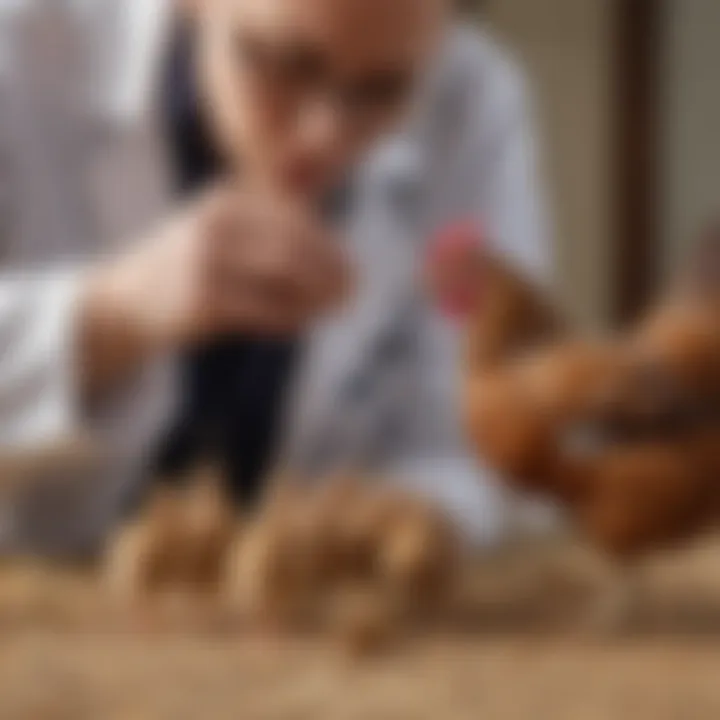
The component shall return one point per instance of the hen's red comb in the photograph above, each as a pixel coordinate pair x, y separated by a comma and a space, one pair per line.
460, 236
455, 243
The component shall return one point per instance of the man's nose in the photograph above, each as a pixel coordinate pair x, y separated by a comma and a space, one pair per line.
321, 127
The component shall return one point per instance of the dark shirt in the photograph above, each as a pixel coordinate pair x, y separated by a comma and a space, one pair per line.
232, 389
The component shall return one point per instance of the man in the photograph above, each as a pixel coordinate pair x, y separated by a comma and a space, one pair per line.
427, 121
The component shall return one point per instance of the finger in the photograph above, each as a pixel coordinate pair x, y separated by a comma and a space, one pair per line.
325, 267
267, 278
302, 263
259, 313
286, 253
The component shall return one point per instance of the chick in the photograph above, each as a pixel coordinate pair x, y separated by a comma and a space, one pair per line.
364, 525
326, 512
145, 558
208, 526
260, 575
269, 573
419, 560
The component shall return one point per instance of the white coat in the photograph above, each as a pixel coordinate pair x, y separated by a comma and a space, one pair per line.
82, 170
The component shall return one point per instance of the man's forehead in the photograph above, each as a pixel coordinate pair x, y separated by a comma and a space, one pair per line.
342, 21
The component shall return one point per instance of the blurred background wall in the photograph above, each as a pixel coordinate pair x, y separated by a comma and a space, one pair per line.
629, 110
691, 122
565, 47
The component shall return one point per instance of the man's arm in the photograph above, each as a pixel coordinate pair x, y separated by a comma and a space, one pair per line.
37, 327
79, 348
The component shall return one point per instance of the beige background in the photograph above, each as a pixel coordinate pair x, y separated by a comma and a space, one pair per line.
566, 47
567, 50
691, 134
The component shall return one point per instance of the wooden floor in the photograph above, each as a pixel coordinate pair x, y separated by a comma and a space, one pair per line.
59, 660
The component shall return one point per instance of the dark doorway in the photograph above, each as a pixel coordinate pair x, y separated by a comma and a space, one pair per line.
637, 81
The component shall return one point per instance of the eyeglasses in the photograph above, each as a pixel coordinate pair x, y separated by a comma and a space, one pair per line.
293, 75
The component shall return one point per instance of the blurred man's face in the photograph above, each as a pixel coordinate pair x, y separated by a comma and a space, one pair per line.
297, 89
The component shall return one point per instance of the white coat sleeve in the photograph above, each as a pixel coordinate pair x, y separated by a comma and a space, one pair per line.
36, 363
40, 411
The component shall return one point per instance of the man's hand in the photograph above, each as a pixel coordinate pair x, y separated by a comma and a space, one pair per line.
232, 262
